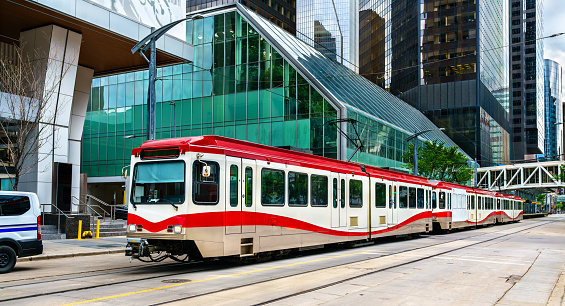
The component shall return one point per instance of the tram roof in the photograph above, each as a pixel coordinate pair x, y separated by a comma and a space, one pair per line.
449, 185
244, 149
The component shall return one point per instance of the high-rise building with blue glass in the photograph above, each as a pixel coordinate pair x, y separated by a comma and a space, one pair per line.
447, 58
553, 100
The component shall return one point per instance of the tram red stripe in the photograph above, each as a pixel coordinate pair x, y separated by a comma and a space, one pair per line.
220, 219
495, 213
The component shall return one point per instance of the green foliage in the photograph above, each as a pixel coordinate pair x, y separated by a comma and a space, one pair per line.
438, 162
561, 177
541, 198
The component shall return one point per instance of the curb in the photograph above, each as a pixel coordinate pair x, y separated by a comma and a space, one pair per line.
57, 256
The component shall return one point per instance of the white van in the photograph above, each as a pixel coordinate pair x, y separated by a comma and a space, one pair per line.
20, 227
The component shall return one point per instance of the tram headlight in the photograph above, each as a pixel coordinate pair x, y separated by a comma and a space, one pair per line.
132, 228
177, 229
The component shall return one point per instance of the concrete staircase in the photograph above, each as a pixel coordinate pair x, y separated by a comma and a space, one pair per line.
110, 228
49, 232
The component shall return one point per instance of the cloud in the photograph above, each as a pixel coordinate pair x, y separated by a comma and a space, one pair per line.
554, 48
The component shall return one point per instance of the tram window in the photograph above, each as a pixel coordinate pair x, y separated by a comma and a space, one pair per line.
297, 189
342, 199
403, 197
233, 185
248, 186
420, 198
427, 199
355, 193
391, 196
335, 193
380, 195
472, 202
272, 187
498, 204
441, 200
205, 188
434, 200
449, 201
159, 182
411, 197
319, 191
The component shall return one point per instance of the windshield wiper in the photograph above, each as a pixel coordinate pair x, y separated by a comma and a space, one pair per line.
168, 202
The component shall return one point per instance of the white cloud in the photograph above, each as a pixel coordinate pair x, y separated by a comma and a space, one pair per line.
554, 13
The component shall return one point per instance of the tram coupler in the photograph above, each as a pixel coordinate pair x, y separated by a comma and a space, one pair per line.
137, 247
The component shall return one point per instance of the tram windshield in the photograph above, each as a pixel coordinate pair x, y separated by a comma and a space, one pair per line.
159, 182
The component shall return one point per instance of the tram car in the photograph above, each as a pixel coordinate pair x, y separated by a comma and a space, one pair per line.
211, 196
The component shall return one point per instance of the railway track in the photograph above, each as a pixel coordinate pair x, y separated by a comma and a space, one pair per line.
202, 267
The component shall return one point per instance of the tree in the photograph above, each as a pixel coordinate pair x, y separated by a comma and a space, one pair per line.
540, 198
26, 116
438, 162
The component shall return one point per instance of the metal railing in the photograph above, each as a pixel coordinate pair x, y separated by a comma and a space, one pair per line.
112, 206
91, 211
59, 212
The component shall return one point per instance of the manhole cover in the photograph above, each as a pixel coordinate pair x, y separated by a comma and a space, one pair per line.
175, 281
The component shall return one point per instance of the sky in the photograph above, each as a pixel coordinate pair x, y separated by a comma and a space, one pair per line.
554, 22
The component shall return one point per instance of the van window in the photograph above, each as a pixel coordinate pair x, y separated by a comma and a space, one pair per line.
13, 205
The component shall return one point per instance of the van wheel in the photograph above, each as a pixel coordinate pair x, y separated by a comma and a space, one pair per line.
7, 259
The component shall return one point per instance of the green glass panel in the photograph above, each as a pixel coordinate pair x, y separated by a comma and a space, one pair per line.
277, 73
129, 119
219, 130
177, 87
277, 99
159, 116
103, 117
289, 75
303, 133
207, 131
111, 98
166, 115
264, 104
207, 83
197, 84
229, 80
289, 109
137, 115
219, 55
303, 103
219, 27
110, 122
300, 80
158, 92
218, 81
290, 133
241, 51
253, 76
139, 89
265, 133
186, 86
241, 106
167, 71
265, 75
277, 134
208, 29
120, 119
218, 108
241, 76
207, 110
329, 110
167, 84
253, 133
330, 134
241, 26
196, 111
275, 54
253, 49
265, 51
198, 32
103, 147
230, 25
229, 107
86, 156
230, 53
252, 105
317, 135
111, 149
196, 132
229, 131
240, 132
316, 104
198, 58
95, 98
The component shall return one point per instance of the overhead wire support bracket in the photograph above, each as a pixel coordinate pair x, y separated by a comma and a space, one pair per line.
357, 142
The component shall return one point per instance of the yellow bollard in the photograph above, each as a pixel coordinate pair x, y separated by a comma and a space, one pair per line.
97, 228
79, 229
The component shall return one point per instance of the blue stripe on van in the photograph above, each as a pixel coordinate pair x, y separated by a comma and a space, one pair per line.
19, 229
12, 225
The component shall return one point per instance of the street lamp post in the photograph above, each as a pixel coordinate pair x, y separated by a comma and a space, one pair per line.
148, 43
415, 137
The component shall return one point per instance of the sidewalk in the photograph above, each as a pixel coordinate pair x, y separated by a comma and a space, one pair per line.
63, 248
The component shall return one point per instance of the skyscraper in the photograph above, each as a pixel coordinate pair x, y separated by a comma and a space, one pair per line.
320, 23
526, 78
448, 59
279, 12
553, 100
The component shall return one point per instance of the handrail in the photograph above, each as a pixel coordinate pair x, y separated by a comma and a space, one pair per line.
59, 212
89, 206
113, 212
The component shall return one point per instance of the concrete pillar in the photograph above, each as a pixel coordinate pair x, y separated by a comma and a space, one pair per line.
55, 51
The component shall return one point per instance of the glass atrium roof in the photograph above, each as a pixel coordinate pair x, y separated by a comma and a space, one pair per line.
342, 86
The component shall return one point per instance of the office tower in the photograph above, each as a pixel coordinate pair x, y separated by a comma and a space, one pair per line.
325, 23
553, 100
526, 78
448, 59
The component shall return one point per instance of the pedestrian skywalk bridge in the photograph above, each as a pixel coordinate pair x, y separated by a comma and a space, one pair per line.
538, 175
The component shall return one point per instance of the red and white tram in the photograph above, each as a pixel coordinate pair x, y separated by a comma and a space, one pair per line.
211, 196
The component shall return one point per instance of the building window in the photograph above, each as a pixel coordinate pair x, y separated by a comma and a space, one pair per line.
516, 75
516, 40
516, 31
516, 58
516, 84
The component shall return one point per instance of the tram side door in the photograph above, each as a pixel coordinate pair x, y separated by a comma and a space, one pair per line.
339, 209
249, 195
392, 215
233, 190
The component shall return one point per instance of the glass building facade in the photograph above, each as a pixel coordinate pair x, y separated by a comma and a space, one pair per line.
553, 93
253, 81
429, 54
331, 26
